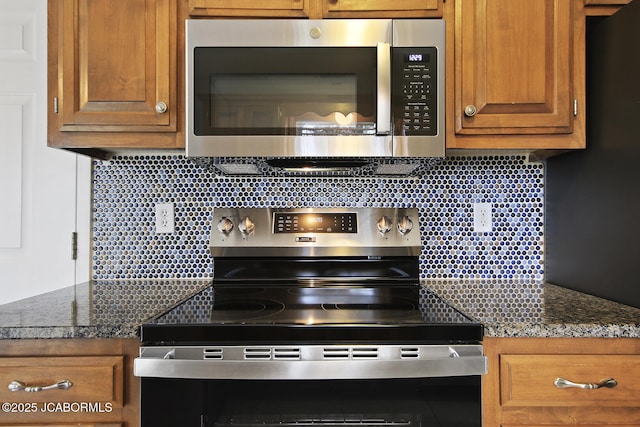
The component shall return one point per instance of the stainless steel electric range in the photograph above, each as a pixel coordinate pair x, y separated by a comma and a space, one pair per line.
314, 317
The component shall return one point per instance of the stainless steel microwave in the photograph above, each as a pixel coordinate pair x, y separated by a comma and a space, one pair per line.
315, 88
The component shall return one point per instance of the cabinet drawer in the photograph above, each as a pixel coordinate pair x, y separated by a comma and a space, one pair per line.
96, 379
528, 380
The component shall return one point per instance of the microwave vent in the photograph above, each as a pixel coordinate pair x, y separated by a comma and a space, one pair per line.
403, 169
238, 168
317, 167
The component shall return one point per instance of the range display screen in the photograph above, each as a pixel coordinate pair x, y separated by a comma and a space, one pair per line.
315, 223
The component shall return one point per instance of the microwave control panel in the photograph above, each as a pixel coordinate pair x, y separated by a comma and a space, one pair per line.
414, 103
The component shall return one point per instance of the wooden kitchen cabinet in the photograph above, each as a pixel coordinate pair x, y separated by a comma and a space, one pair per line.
250, 8
381, 8
113, 73
103, 391
516, 74
606, 2
519, 389
603, 7
317, 9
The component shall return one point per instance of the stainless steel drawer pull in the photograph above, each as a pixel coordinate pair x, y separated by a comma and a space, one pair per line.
606, 383
20, 386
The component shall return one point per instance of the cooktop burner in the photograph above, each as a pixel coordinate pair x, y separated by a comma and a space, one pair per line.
314, 305
297, 313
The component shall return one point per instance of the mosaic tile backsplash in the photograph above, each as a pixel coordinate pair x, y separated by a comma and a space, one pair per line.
127, 188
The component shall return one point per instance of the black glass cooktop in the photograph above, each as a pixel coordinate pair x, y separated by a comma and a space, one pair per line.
311, 313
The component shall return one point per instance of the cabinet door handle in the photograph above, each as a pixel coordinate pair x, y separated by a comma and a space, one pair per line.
161, 107
20, 386
470, 110
606, 383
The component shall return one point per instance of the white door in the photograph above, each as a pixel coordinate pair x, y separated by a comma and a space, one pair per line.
44, 194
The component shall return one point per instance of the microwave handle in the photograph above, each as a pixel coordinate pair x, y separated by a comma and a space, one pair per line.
384, 89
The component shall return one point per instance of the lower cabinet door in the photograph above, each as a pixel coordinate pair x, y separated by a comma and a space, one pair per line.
570, 380
60, 391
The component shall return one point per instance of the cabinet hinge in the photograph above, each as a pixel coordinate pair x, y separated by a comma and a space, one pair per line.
575, 107
74, 246
55, 105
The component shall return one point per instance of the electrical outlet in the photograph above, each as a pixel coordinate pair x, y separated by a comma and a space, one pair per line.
482, 221
165, 220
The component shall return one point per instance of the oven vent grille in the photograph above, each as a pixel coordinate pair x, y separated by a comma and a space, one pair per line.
350, 353
212, 353
409, 352
286, 353
257, 353
266, 353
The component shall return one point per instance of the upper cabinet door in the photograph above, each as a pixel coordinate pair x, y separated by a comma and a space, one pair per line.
605, 2
381, 8
513, 67
603, 7
248, 8
115, 66
317, 9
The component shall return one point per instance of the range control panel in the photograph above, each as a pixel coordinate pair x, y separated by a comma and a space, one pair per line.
414, 91
278, 232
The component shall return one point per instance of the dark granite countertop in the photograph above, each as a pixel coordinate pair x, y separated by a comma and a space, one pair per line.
116, 308
98, 309
512, 309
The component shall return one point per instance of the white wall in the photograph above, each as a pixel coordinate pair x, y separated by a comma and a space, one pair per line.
44, 192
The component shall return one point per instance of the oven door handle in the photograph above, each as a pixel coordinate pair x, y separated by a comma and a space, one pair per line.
307, 370
383, 121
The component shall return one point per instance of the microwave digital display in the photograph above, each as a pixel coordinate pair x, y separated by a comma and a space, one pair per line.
417, 57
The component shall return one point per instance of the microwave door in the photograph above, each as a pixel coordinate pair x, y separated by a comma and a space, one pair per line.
383, 110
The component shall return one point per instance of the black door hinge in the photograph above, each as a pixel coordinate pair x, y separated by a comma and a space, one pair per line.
74, 246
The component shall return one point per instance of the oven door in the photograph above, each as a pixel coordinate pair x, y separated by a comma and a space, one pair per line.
433, 402
311, 385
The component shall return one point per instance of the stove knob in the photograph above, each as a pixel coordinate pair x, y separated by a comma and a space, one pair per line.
225, 225
384, 225
405, 225
246, 226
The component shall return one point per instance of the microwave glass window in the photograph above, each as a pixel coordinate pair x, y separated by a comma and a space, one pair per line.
297, 103
285, 91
